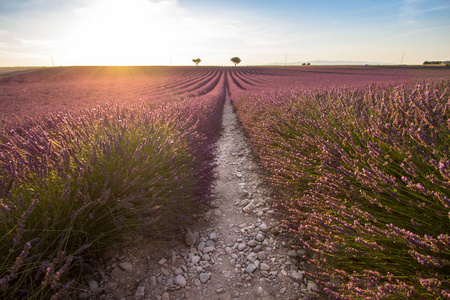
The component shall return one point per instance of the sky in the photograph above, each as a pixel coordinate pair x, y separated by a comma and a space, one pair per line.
173, 32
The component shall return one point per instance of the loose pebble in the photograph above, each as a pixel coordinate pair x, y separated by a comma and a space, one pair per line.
204, 277
180, 281
93, 285
250, 268
140, 291
126, 266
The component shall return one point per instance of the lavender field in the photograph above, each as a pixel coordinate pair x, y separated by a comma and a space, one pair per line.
362, 177
358, 158
73, 183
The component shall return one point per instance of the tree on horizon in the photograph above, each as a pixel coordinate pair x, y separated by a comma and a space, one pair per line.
236, 60
196, 61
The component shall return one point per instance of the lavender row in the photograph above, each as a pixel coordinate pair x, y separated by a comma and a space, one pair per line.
73, 184
363, 180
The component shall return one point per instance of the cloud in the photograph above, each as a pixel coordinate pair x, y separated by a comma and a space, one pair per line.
412, 10
409, 11
421, 31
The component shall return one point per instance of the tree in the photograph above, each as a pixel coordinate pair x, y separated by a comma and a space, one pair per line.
197, 61
235, 60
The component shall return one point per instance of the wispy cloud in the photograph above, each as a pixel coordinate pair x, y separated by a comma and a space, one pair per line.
412, 10
420, 31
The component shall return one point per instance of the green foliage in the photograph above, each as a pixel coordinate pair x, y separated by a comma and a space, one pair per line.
235, 60
196, 61
363, 178
81, 182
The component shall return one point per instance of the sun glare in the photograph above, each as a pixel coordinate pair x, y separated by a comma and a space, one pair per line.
134, 32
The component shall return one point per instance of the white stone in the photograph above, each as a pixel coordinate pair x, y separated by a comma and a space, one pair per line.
213, 236
244, 202
241, 246
126, 266
201, 246
178, 271
93, 285
262, 255
191, 238
260, 237
265, 273
257, 248
195, 259
249, 208
297, 275
208, 249
264, 228
204, 277
180, 281
252, 257
250, 268
140, 291
165, 271
264, 267
252, 243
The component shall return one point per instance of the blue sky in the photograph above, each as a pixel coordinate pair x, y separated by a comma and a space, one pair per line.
164, 32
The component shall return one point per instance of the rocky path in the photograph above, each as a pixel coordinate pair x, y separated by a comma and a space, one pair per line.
235, 251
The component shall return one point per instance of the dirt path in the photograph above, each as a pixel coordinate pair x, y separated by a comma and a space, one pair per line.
235, 251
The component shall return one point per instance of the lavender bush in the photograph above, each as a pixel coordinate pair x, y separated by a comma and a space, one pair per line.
363, 179
74, 183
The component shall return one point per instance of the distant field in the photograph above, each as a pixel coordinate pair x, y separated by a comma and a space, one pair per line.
46, 90
14, 70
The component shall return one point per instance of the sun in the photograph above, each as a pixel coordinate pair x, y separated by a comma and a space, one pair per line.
114, 32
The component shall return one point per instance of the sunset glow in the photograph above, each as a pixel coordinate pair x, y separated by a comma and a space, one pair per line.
121, 33
172, 32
